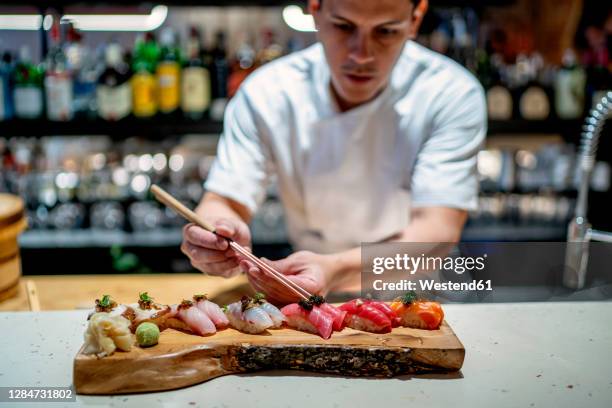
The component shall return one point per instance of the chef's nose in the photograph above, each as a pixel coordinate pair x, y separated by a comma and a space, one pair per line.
360, 48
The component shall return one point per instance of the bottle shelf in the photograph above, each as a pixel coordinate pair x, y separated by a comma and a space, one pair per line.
549, 126
161, 127
155, 128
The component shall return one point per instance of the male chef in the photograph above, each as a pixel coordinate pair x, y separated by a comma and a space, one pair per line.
370, 137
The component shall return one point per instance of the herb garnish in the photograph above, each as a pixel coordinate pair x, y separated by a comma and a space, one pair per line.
106, 304
145, 301
408, 298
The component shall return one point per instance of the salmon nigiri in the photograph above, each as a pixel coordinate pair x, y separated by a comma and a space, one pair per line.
418, 314
363, 315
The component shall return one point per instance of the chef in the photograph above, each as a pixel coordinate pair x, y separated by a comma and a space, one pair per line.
369, 136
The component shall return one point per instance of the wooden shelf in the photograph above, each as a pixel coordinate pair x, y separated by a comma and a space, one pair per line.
154, 128
162, 127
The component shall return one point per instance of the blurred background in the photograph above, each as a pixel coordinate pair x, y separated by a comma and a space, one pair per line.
98, 100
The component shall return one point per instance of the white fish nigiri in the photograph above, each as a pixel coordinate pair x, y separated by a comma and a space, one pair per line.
257, 320
234, 314
212, 310
196, 319
248, 317
275, 314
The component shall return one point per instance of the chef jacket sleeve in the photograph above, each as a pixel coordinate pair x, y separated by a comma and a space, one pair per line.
445, 173
242, 167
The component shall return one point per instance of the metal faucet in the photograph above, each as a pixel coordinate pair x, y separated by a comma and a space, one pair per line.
579, 231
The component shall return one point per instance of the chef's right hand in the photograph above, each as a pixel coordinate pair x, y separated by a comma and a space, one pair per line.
211, 253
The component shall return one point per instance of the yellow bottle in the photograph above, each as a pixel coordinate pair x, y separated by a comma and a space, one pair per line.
144, 92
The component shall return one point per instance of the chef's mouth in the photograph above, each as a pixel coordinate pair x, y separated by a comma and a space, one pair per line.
359, 78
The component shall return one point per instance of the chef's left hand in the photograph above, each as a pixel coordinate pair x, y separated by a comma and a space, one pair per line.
311, 271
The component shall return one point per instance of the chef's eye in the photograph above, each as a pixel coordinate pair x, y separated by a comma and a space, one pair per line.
347, 28
386, 32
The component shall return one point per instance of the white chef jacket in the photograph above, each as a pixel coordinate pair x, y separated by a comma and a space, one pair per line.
351, 177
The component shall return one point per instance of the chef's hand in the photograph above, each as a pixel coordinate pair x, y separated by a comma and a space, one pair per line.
311, 271
211, 253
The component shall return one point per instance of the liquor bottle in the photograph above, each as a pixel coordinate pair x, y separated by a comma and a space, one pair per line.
114, 93
500, 105
195, 80
6, 99
242, 66
220, 76
58, 79
534, 100
144, 83
86, 69
270, 50
168, 73
27, 89
570, 84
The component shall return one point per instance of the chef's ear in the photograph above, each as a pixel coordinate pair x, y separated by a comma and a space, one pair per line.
314, 7
417, 17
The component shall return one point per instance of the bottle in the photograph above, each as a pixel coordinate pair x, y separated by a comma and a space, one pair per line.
27, 90
6, 98
86, 69
534, 102
195, 80
242, 66
570, 83
270, 49
500, 104
168, 73
144, 83
58, 79
220, 76
114, 93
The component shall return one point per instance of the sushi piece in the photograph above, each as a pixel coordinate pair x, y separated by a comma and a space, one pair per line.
248, 316
337, 314
146, 310
212, 310
107, 305
308, 317
386, 309
363, 315
187, 317
416, 313
275, 314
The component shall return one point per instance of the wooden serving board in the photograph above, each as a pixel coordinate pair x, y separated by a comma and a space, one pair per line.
182, 359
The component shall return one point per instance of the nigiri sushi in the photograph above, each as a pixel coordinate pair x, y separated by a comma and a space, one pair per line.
275, 314
146, 310
363, 315
187, 317
418, 314
248, 316
212, 310
307, 316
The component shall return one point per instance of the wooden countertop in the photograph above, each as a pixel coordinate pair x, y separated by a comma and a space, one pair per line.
69, 292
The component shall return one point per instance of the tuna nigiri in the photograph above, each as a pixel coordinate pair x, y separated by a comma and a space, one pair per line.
418, 314
307, 316
363, 315
212, 310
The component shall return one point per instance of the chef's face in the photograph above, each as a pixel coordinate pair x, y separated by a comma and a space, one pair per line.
362, 40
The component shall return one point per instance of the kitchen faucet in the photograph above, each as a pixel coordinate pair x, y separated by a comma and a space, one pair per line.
579, 231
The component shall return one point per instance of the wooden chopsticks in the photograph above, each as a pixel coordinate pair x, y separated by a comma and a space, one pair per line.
165, 198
